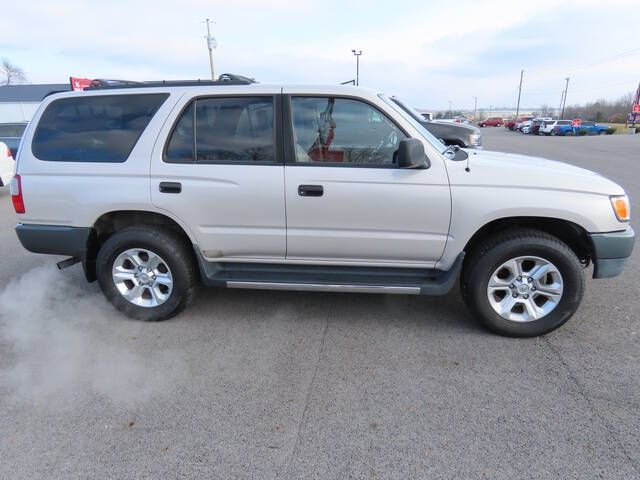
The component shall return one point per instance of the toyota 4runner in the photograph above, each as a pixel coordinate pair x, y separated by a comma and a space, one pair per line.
155, 187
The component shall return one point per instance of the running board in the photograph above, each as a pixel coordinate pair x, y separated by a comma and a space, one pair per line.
329, 278
322, 287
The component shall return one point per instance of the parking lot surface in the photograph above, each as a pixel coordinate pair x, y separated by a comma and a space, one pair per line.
263, 384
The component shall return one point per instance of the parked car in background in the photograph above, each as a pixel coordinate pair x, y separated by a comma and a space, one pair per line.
7, 165
525, 127
547, 126
492, 122
466, 136
521, 121
10, 134
536, 123
459, 119
585, 125
593, 128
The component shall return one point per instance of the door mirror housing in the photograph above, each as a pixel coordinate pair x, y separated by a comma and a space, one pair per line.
411, 154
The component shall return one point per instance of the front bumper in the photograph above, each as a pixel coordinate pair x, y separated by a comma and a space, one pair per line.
611, 252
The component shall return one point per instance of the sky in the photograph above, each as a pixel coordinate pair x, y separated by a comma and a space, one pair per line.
429, 53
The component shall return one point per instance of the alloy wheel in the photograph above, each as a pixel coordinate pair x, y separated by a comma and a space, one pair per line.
525, 289
142, 277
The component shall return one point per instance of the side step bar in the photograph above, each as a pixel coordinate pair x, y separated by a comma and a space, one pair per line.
325, 287
329, 278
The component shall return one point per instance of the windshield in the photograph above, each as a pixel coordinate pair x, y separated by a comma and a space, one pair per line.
415, 119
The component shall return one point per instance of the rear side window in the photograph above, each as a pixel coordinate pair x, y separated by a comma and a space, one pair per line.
101, 129
12, 130
224, 130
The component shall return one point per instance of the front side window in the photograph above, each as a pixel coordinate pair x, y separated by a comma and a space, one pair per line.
95, 128
224, 130
342, 131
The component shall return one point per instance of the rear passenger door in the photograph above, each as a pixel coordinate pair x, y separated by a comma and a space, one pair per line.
218, 169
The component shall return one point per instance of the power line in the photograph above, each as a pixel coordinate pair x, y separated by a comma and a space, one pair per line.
552, 71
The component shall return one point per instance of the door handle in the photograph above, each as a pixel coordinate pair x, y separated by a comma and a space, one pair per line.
310, 190
170, 187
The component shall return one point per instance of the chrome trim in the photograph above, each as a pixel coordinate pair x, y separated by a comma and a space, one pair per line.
320, 287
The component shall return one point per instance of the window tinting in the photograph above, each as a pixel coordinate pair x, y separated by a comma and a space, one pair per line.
226, 130
180, 148
102, 128
343, 131
12, 130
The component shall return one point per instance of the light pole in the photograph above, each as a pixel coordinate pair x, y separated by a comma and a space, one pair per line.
560, 106
211, 44
475, 107
519, 92
357, 54
564, 102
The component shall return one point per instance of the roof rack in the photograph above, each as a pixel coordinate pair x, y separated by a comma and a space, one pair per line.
224, 79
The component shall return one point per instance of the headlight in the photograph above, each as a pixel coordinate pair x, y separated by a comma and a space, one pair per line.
620, 204
476, 139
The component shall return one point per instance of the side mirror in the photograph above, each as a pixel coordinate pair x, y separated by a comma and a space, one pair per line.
411, 154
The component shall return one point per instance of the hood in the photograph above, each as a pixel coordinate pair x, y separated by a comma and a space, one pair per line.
461, 126
500, 169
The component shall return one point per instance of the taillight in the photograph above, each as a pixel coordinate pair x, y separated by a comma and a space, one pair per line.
9, 153
16, 194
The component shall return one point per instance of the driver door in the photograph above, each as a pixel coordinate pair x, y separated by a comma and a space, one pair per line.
346, 199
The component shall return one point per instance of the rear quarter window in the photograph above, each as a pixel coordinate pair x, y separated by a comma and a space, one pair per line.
99, 129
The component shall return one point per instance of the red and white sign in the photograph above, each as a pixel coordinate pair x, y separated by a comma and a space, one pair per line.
636, 108
79, 83
576, 122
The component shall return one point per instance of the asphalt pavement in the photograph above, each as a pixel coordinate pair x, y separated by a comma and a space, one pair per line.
288, 385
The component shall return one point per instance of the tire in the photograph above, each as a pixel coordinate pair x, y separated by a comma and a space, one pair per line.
484, 263
176, 259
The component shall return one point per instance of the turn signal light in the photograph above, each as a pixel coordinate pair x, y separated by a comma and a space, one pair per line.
621, 207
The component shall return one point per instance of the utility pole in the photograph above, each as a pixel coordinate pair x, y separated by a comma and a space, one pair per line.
357, 54
519, 92
475, 107
560, 106
564, 102
211, 44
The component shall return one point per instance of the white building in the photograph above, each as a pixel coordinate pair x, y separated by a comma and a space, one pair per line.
18, 103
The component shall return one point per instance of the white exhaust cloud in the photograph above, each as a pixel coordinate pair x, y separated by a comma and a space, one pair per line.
66, 346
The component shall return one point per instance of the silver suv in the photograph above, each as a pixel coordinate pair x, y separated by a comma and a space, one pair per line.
156, 187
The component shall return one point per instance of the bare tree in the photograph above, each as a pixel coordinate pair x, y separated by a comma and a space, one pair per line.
11, 73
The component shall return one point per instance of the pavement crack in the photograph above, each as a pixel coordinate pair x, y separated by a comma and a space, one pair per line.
583, 393
303, 417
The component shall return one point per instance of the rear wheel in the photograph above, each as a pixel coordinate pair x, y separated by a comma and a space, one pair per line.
523, 283
146, 272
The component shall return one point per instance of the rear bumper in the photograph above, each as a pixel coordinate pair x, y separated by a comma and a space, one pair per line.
611, 252
54, 239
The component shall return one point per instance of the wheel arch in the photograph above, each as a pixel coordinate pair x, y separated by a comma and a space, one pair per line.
572, 234
111, 222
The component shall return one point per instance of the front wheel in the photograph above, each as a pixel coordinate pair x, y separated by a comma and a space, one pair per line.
523, 283
146, 272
